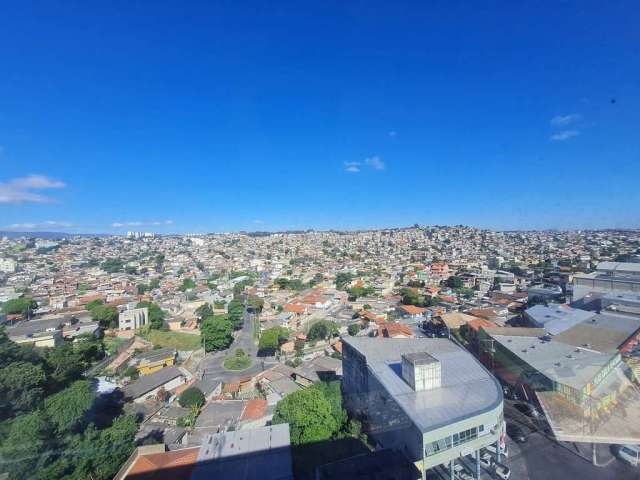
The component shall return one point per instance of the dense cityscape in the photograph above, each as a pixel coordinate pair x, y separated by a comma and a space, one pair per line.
420, 352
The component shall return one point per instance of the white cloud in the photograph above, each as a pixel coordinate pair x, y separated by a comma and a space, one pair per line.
352, 167
21, 190
39, 225
375, 162
564, 120
564, 135
155, 223
258, 221
393, 133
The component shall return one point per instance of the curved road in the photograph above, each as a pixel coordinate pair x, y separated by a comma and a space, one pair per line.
212, 365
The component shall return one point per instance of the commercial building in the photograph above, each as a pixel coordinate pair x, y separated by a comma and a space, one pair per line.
133, 319
585, 394
609, 277
427, 399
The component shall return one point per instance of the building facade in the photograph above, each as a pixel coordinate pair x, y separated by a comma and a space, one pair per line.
133, 319
428, 399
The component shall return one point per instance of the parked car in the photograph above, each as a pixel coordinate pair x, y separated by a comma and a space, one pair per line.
528, 410
629, 454
486, 460
501, 471
461, 473
517, 433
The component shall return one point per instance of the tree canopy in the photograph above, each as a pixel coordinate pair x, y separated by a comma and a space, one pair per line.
309, 415
272, 338
323, 330
235, 311
106, 315
191, 397
20, 306
216, 332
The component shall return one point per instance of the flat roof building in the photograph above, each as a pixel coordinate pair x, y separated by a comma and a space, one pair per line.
609, 277
428, 399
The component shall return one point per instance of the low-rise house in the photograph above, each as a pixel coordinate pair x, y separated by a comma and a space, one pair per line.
154, 360
411, 312
147, 387
395, 330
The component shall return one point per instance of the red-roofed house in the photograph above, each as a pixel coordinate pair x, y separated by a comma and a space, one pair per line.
153, 462
395, 330
411, 311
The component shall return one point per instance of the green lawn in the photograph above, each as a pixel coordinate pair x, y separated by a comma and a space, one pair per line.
111, 344
237, 362
177, 340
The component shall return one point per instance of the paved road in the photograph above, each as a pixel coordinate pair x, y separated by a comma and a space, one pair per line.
212, 364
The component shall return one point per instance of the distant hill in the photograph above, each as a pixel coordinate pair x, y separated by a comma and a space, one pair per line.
50, 235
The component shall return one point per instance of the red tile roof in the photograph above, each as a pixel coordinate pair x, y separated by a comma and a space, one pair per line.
174, 465
254, 409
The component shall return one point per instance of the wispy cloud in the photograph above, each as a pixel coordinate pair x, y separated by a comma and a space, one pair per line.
565, 120
141, 224
21, 190
258, 221
564, 135
375, 162
352, 167
39, 225
393, 133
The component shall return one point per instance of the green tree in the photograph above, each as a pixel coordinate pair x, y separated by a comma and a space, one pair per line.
187, 284
141, 288
217, 333
93, 304
454, 282
342, 280
192, 396
154, 283
22, 306
63, 365
333, 393
309, 415
272, 338
235, 311
22, 387
156, 314
28, 438
353, 329
112, 265
67, 409
99, 454
322, 330
204, 311
106, 315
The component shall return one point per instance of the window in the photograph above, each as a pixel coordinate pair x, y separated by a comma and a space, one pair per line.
465, 436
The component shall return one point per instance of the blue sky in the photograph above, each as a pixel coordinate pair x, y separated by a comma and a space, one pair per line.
215, 116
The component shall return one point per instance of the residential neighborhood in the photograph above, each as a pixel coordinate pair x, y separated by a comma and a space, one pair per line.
480, 342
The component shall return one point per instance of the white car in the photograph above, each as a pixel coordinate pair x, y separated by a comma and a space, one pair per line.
630, 454
460, 473
501, 471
